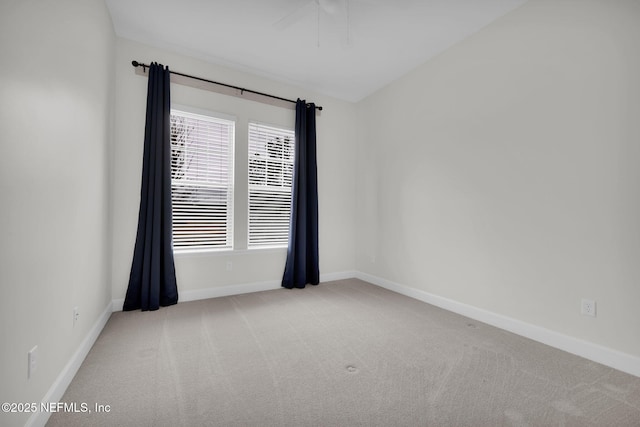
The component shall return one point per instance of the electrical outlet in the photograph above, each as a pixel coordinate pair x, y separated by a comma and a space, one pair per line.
588, 308
76, 315
229, 266
32, 361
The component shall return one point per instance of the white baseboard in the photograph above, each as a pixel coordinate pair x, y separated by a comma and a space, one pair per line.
224, 291
342, 275
117, 304
55, 393
597, 353
245, 288
221, 291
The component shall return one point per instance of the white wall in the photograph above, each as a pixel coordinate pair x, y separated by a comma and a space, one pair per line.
56, 86
205, 274
504, 173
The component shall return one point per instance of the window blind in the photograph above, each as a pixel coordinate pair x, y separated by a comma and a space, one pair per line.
201, 181
271, 157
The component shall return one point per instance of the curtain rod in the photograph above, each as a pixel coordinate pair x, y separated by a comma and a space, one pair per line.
242, 90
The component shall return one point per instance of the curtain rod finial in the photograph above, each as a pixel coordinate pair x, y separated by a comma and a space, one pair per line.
137, 64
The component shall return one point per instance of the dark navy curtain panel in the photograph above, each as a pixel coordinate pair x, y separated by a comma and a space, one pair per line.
152, 282
302, 266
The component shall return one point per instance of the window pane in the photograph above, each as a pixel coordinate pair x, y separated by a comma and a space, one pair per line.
271, 157
202, 181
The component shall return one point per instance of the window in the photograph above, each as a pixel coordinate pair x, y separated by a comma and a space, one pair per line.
271, 155
201, 181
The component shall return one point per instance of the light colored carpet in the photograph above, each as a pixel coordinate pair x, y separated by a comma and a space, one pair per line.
344, 353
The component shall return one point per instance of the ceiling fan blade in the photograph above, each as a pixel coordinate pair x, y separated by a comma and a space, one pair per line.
295, 15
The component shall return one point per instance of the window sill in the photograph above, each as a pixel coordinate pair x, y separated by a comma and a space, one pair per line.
226, 252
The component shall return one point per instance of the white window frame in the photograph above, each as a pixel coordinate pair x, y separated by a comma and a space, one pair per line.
208, 182
269, 186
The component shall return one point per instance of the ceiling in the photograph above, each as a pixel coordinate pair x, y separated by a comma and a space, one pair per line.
343, 48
